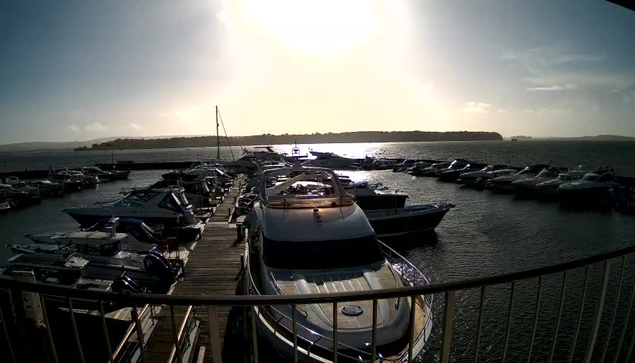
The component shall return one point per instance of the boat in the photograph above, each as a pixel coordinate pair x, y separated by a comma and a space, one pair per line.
527, 187
47, 188
456, 164
598, 188
69, 271
404, 165
431, 170
70, 182
329, 160
165, 207
452, 174
33, 193
316, 240
196, 191
4, 207
369, 196
410, 219
470, 177
548, 190
503, 184
90, 181
120, 174
94, 171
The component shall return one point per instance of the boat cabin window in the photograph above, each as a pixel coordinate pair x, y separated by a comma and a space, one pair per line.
321, 254
171, 203
141, 196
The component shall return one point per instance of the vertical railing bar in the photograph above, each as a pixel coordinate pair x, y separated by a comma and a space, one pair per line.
411, 329
509, 320
6, 334
630, 350
628, 315
536, 314
294, 316
577, 329
135, 317
104, 329
254, 334
598, 313
374, 332
615, 308
75, 331
175, 336
335, 314
560, 309
481, 314
214, 335
448, 318
49, 335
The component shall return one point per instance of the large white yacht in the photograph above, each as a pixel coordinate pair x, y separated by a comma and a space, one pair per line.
307, 236
593, 188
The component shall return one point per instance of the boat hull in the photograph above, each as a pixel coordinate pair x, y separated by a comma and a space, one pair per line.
381, 201
587, 197
389, 224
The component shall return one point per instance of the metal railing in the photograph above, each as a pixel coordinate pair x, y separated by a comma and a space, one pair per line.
597, 311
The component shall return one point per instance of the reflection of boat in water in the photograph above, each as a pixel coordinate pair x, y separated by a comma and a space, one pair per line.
312, 240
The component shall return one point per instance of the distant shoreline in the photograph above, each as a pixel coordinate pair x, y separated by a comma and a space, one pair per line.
268, 139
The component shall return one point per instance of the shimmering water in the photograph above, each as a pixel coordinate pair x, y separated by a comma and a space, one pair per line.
485, 234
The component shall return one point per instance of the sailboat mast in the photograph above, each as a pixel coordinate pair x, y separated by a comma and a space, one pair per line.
217, 137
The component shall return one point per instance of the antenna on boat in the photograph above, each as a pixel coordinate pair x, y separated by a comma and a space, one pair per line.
217, 137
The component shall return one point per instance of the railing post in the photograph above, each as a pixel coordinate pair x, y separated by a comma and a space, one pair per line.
214, 339
294, 315
481, 314
374, 332
254, 333
560, 308
577, 329
615, 308
75, 331
509, 320
175, 336
335, 314
135, 318
448, 318
49, 335
411, 328
598, 314
536, 313
628, 315
6, 334
104, 329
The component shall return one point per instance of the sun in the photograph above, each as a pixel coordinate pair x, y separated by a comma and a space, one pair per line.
317, 27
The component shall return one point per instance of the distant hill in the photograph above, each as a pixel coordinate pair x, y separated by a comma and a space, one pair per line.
365, 136
595, 138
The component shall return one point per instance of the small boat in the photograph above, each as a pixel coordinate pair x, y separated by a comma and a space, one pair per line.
32, 192
196, 191
4, 207
431, 170
70, 182
451, 175
120, 174
69, 271
404, 165
548, 190
330, 160
93, 171
89, 180
410, 219
456, 164
503, 184
527, 187
486, 173
166, 207
316, 241
598, 188
370, 196
47, 188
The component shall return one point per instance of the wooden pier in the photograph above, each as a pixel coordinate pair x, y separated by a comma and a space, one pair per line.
213, 268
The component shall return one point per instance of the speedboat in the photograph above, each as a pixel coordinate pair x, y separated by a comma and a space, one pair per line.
47, 188
196, 191
70, 271
404, 165
329, 160
370, 196
94, 171
527, 187
90, 181
70, 182
503, 184
452, 174
317, 240
470, 177
595, 189
166, 207
549, 189
407, 220
431, 170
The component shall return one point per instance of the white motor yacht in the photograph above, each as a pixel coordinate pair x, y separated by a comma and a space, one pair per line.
70, 182
470, 177
329, 160
593, 189
549, 189
527, 187
503, 184
307, 236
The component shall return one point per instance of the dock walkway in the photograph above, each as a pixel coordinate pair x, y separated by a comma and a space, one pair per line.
212, 269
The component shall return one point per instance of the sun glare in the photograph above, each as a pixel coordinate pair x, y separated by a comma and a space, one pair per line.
317, 27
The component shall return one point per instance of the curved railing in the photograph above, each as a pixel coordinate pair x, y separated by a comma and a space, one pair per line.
449, 290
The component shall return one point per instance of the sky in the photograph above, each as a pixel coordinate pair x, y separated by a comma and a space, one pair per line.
80, 70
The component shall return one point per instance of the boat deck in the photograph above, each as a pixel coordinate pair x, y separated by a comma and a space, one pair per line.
212, 269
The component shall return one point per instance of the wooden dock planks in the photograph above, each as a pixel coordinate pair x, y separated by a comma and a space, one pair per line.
212, 269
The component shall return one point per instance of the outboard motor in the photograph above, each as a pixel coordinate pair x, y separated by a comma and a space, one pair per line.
156, 264
125, 284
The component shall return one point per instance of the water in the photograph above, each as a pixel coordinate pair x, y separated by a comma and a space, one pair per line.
486, 234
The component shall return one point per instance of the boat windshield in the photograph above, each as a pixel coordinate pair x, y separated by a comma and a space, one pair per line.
547, 174
526, 171
590, 177
320, 255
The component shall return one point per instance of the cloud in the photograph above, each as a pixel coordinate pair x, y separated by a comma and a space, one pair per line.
548, 111
566, 87
95, 126
476, 107
501, 110
548, 56
73, 128
135, 127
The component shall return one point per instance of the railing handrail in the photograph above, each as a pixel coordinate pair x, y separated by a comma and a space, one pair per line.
250, 300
